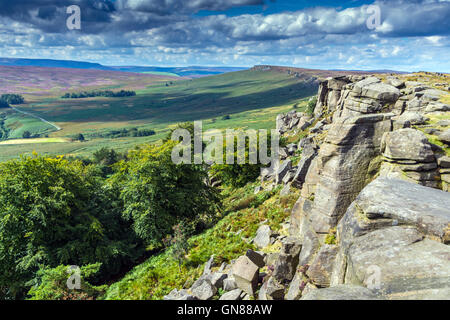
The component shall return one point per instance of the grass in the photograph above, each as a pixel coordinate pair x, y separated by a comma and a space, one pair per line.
227, 240
33, 141
251, 98
16, 124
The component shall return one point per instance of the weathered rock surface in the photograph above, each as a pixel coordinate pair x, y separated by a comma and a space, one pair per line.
233, 295
245, 273
287, 260
263, 236
409, 155
445, 136
203, 289
341, 292
393, 237
344, 162
321, 268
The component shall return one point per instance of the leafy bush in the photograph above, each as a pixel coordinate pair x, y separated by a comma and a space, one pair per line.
125, 132
106, 93
157, 193
55, 212
238, 175
51, 284
311, 105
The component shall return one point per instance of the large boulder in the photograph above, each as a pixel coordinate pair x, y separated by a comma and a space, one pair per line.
393, 200
394, 237
412, 117
373, 88
407, 144
345, 165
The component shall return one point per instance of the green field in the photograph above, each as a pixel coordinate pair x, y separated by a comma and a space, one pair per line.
251, 98
13, 124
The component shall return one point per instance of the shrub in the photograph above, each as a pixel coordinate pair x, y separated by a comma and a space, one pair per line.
311, 105
157, 193
80, 137
51, 284
55, 212
238, 175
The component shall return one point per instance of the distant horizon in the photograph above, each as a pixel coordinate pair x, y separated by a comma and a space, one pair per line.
208, 66
322, 34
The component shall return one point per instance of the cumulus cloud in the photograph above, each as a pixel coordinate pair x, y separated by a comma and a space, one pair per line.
171, 30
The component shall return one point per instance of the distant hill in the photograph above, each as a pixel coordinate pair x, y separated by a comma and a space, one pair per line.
316, 73
42, 81
191, 72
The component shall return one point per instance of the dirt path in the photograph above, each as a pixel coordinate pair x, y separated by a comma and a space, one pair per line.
36, 117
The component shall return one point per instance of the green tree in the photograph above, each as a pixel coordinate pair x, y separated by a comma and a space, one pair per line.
55, 212
26, 135
4, 104
12, 98
157, 193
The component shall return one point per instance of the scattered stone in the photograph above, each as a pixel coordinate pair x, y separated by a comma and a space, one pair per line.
256, 257
321, 268
295, 291
229, 284
246, 273
263, 237
204, 289
179, 295
288, 260
232, 295
445, 136
284, 168
208, 266
217, 279
274, 290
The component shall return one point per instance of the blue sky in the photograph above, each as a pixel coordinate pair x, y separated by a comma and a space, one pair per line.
411, 35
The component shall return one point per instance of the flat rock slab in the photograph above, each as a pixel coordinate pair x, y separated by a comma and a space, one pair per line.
396, 260
341, 292
426, 208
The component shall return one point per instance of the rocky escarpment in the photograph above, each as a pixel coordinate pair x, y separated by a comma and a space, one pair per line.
373, 217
